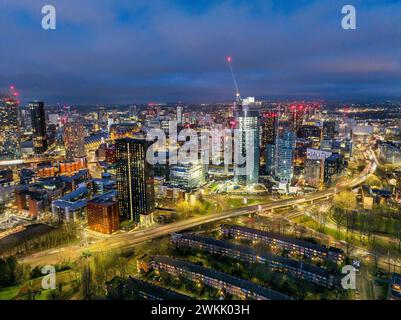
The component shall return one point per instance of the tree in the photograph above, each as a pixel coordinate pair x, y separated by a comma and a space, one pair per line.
373, 181
344, 202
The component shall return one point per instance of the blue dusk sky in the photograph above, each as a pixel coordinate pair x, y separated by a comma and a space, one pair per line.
126, 51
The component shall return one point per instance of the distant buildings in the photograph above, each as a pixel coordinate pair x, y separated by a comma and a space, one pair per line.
10, 138
309, 132
74, 140
37, 109
390, 152
329, 130
135, 181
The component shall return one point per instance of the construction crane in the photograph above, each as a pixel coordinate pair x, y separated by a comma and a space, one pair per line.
237, 93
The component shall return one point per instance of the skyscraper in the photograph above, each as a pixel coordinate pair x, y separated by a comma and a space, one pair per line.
135, 181
74, 140
285, 142
329, 130
179, 115
9, 127
248, 135
37, 109
268, 147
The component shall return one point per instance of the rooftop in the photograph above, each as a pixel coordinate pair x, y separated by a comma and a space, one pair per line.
244, 284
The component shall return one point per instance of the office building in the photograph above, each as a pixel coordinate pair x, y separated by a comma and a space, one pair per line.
329, 130
38, 121
314, 172
187, 176
309, 132
333, 167
285, 144
247, 172
135, 181
103, 215
10, 138
74, 140
268, 146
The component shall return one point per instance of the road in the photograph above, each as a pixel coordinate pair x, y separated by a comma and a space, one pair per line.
126, 240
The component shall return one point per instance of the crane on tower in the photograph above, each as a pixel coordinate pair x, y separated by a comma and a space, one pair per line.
237, 93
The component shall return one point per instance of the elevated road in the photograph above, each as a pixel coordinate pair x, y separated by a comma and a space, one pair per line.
129, 239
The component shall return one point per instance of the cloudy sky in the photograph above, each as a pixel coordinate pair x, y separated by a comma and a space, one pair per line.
125, 51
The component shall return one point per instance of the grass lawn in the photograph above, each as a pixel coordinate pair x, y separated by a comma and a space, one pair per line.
9, 293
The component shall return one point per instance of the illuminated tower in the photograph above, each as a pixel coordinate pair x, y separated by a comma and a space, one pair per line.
9, 126
38, 121
74, 140
269, 132
285, 144
135, 181
248, 133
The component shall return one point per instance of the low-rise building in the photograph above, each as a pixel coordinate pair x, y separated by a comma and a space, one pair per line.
213, 278
295, 268
292, 245
121, 289
102, 213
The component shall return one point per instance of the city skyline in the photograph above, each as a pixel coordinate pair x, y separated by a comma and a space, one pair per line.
163, 52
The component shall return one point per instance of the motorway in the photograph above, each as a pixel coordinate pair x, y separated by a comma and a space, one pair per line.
129, 239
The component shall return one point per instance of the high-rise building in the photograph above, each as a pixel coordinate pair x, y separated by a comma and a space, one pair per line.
268, 146
296, 117
248, 135
38, 121
285, 142
74, 140
179, 115
103, 215
10, 138
333, 166
329, 130
188, 176
314, 172
309, 132
135, 181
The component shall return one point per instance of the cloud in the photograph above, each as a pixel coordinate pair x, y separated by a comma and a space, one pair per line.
127, 51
